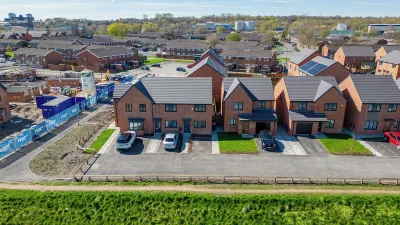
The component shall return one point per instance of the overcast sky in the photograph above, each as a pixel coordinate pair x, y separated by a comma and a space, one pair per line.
111, 9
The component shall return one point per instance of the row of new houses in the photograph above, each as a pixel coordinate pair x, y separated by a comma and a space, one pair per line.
302, 105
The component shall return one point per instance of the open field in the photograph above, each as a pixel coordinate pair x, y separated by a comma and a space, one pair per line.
63, 207
343, 144
234, 143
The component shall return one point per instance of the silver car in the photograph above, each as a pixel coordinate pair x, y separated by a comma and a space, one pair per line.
171, 141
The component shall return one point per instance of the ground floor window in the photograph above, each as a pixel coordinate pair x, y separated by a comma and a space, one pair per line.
136, 125
233, 122
171, 124
330, 124
371, 125
395, 124
199, 124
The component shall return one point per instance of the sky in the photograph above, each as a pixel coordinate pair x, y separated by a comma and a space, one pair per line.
115, 9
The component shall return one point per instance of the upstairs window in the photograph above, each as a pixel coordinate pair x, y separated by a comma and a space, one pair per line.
374, 107
199, 108
330, 107
392, 108
238, 106
261, 104
302, 106
170, 107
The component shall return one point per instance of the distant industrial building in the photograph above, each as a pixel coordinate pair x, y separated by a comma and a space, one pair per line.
245, 25
342, 26
24, 21
382, 28
211, 26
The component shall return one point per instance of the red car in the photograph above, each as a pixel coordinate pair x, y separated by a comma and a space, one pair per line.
393, 138
190, 66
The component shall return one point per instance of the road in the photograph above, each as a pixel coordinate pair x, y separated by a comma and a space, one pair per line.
16, 166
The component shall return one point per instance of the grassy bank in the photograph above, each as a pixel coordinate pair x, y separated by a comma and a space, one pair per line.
100, 141
233, 143
31, 207
343, 144
151, 61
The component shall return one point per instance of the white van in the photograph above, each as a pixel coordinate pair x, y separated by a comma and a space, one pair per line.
2, 60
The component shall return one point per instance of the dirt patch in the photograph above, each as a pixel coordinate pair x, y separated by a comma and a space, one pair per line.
27, 111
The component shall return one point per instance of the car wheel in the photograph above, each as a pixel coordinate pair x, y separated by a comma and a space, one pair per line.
385, 138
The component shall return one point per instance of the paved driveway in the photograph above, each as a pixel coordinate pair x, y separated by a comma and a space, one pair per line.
201, 145
312, 146
385, 148
278, 151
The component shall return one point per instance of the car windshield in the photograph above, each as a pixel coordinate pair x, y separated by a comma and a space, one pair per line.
124, 138
267, 137
169, 140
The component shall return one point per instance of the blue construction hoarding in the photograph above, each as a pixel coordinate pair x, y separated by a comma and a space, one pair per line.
6, 147
52, 122
22, 139
38, 130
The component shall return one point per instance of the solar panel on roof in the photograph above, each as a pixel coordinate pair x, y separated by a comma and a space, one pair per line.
308, 65
316, 69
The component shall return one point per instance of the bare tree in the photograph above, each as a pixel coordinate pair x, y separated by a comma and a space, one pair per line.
212, 40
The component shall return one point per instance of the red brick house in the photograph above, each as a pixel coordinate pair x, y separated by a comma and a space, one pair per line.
308, 105
99, 59
384, 50
373, 101
211, 54
356, 56
162, 105
5, 112
300, 59
258, 60
329, 50
389, 65
69, 50
320, 66
248, 105
38, 57
211, 68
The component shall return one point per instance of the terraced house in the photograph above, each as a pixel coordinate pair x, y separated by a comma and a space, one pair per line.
185, 50
384, 50
373, 101
299, 60
38, 57
254, 60
248, 105
389, 65
162, 105
356, 57
308, 105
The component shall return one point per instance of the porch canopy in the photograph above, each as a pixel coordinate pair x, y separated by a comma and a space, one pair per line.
307, 116
259, 115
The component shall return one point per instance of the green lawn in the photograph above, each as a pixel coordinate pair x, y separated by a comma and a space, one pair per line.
280, 48
150, 61
342, 144
283, 59
37, 207
101, 140
233, 143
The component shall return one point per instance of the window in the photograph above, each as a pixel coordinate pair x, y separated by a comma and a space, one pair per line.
302, 106
170, 107
199, 108
233, 122
395, 124
170, 124
261, 104
330, 124
393, 66
136, 125
199, 124
128, 107
380, 63
371, 125
392, 108
374, 107
330, 106
142, 107
238, 106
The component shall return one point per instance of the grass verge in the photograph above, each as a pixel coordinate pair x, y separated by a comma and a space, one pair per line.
343, 144
100, 141
233, 143
151, 61
34, 207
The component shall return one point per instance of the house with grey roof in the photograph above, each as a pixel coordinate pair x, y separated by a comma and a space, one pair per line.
384, 50
321, 66
248, 105
108, 57
308, 105
372, 106
356, 57
300, 59
39, 58
212, 54
162, 105
389, 65
254, 61
209, 67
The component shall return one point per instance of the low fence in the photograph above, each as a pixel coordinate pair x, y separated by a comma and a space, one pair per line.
25, 137
235, 179
85, 138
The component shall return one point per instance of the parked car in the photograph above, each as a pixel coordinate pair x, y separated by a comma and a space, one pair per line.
181, 69
393, 138
267, 141
144, 49
145, 68
171, 141
190, 66
125, 140
156, 65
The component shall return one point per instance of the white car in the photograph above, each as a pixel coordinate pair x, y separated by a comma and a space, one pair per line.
125, 140
171, 141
